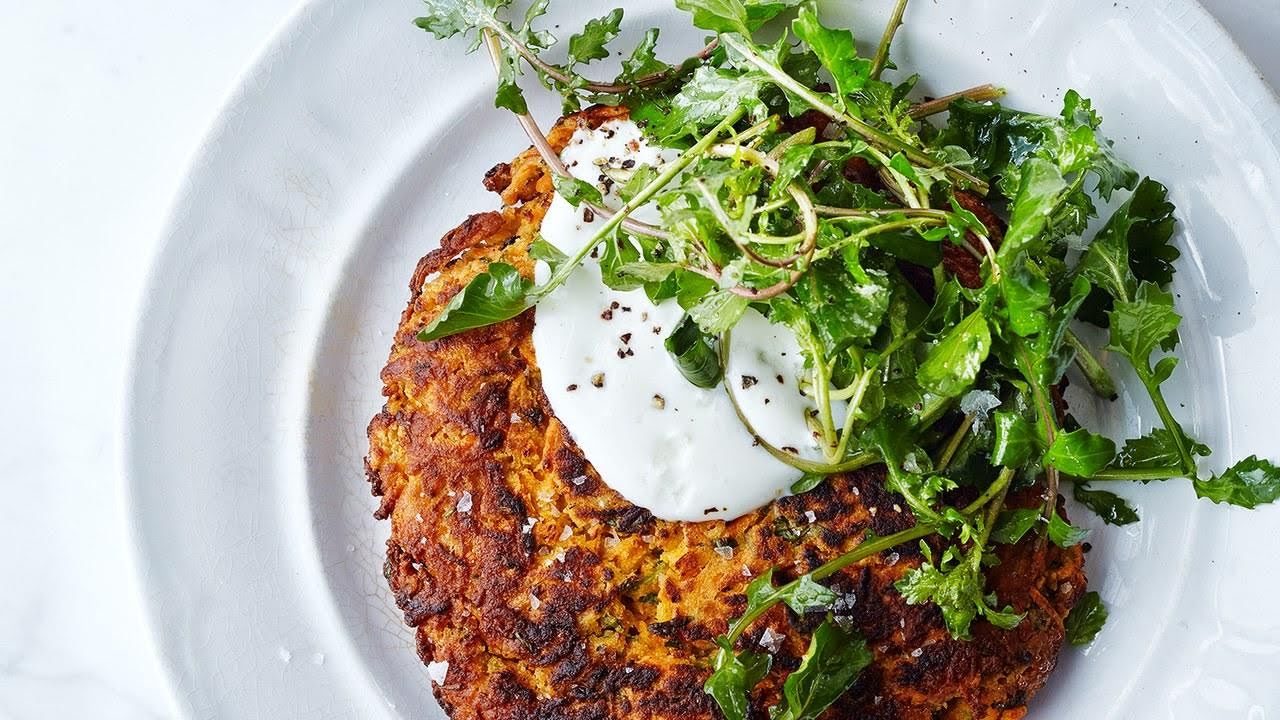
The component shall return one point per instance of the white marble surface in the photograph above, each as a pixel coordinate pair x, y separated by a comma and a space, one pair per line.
104, 105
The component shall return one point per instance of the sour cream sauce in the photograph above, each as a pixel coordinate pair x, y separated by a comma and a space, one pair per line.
670, 447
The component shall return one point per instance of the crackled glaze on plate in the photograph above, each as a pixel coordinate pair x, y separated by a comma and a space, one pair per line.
356, 142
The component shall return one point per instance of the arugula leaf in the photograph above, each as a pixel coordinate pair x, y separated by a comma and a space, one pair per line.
803, 597
643, 60
842, 310
446, 18
1134, 245
807, 482
497, 294
1080, 453
1156, 449
1040, 187
709, 95
1139, 326
1026, 296
733, 16
620, 252
1012, 525
733, 676
1015, 439
953, 364
833, 661
1247, 484
694, 355
509, 96
1085, 619
718, 312
1001, 140
590, 44
1151, 256
649, 272
1063, 533
835, 49
1085, 149
542, 250
891, 435
576, 191
1113, 509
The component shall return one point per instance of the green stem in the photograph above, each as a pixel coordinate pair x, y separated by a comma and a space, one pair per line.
822, 388
860, 391
1170, 422
1137, 474
1097, 375
838, 213
669, 172
882, 52
981, 93
954, 443
1045, 420
868, 132
998, 487
863, 551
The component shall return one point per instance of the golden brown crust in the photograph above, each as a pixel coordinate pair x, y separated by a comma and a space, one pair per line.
552, 597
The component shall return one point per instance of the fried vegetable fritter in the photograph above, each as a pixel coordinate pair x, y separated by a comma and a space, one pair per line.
550, 596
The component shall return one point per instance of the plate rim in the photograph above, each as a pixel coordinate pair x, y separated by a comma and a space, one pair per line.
292, 26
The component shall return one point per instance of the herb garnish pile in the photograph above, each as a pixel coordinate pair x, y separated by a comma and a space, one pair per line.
813, 189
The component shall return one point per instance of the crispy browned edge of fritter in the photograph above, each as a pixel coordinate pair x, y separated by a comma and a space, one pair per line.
553, 597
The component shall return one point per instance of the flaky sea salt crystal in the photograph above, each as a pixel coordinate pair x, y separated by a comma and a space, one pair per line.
771, 641
464, 502
810, 516
438, 671
534, 602
978, 404
917, 652
566, 533
724, 551
529, 522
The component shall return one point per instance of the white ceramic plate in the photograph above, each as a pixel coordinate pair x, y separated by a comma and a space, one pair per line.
357, 141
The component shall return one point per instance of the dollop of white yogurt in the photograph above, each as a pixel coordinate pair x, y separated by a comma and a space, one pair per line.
670, 447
